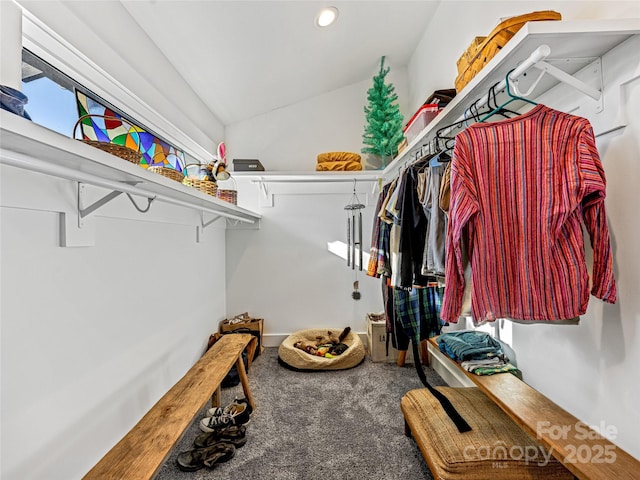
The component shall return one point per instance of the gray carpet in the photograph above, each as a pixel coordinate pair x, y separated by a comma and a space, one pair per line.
319, 425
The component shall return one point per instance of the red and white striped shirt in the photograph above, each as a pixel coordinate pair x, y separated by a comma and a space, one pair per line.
520, 189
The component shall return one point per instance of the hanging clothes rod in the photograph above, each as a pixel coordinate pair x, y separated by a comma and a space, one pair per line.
535, 60
319, 179
19, 160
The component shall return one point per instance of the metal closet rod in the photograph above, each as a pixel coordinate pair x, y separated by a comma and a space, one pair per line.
539, 54
316, 180
20, 160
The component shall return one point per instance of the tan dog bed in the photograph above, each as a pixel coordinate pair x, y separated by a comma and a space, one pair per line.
297, 359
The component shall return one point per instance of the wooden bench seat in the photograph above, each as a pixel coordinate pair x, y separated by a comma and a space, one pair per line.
142, 451
585, 453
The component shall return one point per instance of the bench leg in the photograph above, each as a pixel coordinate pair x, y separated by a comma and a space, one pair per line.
215, 398
242, 373
402, 354
407, 429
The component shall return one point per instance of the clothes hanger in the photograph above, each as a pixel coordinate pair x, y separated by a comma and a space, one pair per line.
512, 98
492, 96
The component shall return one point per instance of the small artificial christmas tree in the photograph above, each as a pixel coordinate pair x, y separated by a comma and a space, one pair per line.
383, 131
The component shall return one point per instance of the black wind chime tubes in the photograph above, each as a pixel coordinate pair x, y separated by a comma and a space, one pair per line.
354, 237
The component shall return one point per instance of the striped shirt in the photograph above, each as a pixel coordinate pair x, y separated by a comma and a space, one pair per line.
520, 190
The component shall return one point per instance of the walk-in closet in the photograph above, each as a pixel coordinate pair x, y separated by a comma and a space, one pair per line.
175, 171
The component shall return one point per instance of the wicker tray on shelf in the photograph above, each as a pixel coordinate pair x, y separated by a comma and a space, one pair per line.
126, 153
483, 49
206, 186
171, 173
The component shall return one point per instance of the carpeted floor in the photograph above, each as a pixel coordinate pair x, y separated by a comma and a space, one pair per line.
319, 425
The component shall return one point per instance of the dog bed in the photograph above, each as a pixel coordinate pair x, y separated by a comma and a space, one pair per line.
297, 359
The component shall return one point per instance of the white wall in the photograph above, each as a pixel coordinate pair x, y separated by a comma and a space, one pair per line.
284, 272
93, 336
291, 138
590, 369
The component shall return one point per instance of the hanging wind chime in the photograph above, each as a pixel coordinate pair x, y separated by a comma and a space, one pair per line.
354, 237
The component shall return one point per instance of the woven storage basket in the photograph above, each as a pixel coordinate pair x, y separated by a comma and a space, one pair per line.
126, 153
483, 49
206, 186
228, 195
171, 173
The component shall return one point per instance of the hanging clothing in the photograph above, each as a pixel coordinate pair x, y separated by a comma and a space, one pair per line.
413, 232
433, 252
409, 313
372, 266
520, 190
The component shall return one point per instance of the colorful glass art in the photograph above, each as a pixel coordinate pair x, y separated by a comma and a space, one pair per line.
106, 125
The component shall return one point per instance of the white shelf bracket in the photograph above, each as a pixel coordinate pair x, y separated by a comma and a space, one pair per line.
200, 238
595, 72
266, 199
84, 212
204, 224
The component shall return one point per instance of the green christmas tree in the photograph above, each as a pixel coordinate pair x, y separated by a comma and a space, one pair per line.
383, 131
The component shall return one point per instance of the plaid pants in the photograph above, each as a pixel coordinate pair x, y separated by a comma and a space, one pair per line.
417, 315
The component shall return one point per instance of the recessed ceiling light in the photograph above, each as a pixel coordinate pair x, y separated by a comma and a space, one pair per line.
327, 16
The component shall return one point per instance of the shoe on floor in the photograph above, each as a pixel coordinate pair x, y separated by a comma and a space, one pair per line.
193, 460
217, 411
235, 434
239, 415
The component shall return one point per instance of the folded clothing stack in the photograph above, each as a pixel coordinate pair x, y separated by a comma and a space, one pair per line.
338, 161
478, 352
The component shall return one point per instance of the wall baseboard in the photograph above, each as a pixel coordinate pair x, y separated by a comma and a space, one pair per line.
437, 360
275, 339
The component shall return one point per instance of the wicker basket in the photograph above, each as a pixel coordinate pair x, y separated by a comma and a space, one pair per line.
230, 196
483, 49
126, 153
171, 173
206, 186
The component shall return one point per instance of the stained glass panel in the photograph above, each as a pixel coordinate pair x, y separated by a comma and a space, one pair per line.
105, 125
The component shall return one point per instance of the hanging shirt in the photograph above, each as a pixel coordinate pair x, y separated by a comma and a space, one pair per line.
520, 190
433, 252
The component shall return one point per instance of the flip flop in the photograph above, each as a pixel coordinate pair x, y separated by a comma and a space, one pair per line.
234, 434
193, 460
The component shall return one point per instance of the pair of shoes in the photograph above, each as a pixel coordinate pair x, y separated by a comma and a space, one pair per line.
193, 460
235, 434
217, 411
238, 414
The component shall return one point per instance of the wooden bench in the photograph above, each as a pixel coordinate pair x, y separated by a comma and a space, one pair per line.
142, 451
585, 453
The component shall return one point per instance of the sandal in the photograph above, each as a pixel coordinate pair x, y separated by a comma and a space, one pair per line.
193, 460
234, 434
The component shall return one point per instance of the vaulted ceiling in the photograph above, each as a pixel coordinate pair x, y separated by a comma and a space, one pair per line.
244, 58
